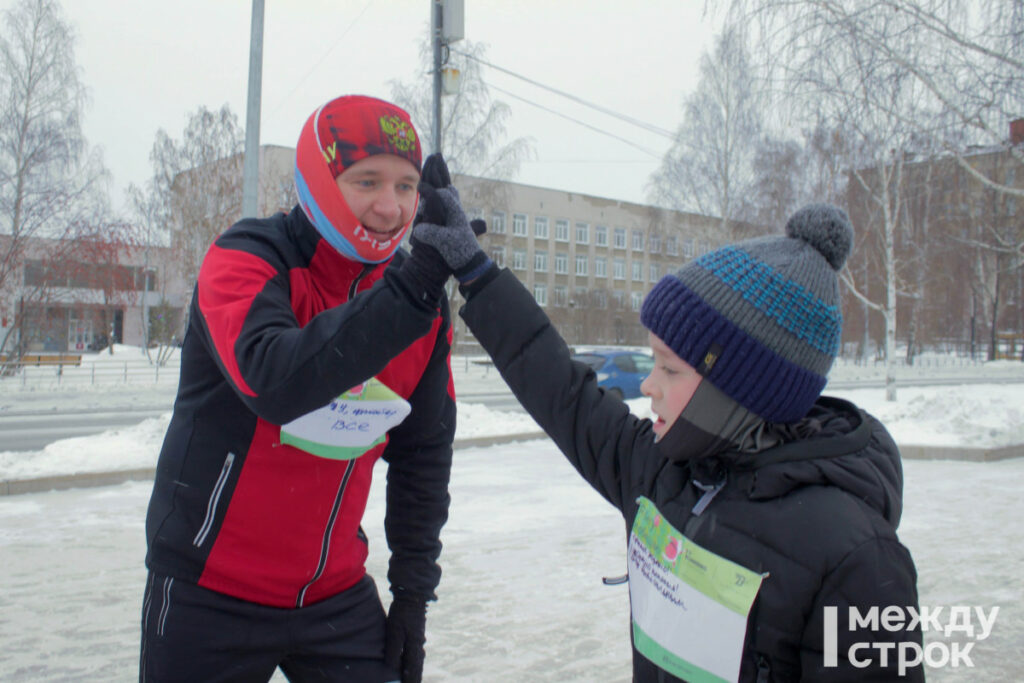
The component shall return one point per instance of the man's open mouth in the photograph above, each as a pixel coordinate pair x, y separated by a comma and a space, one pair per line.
382, 235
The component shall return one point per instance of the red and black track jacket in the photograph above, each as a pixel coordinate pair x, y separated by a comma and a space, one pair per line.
280, 325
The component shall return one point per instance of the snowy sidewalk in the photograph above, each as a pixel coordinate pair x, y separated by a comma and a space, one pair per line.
975, 422
61, 482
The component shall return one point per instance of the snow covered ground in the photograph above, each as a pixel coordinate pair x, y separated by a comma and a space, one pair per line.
521, 598
525, 548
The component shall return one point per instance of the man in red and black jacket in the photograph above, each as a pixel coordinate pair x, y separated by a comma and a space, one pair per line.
314, 348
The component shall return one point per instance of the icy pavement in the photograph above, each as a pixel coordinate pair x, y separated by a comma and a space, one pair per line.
521, 598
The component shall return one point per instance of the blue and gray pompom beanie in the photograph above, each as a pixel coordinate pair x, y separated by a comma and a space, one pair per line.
761, 319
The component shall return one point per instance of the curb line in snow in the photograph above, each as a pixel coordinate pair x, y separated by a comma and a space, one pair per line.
85, 479
61, 482
961, 453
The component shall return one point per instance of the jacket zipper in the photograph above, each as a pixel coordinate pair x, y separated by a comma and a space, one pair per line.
325, 544
355, 283
211, 504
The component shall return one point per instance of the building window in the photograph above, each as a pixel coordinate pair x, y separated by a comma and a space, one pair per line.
561, 297
540, 261
655, 244
497, 225
149, 278
619, 269
519, 259
638, 271
498, 256
654, 272
519, 224
618, 299
600, 298
540, 293
36, 273
562, 231
620, 238
561, 263
601, 266
688, 248
582, 233
638, 240
671, 247
635, 299
540, 227
601, 235
581, 264
81, 275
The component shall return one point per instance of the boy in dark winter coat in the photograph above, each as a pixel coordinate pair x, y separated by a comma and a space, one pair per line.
761, 516
315, 347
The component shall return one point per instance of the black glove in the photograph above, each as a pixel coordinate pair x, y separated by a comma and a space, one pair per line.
479, 226
435, 175
442, 224
404, 638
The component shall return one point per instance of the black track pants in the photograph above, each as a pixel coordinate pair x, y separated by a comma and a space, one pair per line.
192, 634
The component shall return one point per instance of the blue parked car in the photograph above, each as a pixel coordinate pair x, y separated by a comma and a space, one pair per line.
618, 371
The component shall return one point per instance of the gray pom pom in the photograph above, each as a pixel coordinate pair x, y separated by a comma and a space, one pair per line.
825, 227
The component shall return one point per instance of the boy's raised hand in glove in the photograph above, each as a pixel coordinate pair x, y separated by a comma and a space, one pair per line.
442, 224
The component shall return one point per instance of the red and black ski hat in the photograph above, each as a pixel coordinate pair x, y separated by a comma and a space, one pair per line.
336, 136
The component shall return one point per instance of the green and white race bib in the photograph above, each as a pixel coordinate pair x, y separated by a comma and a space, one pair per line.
689, 605
350, 425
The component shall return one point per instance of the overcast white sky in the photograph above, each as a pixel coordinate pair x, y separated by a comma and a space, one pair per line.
148, 64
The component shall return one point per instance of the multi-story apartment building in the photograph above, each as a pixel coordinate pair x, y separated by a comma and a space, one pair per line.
588, 261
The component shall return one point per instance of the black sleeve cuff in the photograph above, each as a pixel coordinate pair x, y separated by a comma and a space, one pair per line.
470, 289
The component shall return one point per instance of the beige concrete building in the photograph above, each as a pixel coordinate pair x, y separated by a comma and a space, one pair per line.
588, 261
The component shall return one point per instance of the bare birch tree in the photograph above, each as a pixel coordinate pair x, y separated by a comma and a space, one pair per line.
967, 56
197, 184
51, 184
709, 168
966, 61
152, 215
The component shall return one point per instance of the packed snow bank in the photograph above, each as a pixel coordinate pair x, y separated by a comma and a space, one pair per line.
978, 415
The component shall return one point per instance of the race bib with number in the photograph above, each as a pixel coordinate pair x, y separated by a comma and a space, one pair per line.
689, 605
350, 425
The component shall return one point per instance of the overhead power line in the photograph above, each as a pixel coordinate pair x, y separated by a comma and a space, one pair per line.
323, 57
654, 154
604, 110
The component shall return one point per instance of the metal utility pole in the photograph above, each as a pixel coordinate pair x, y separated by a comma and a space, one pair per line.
446, 26
251, 172
436, 21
